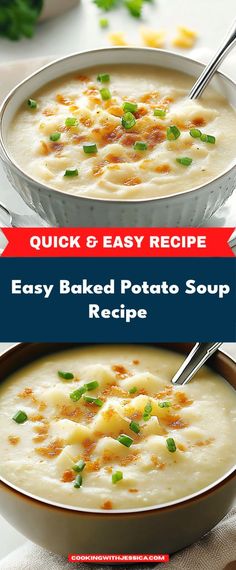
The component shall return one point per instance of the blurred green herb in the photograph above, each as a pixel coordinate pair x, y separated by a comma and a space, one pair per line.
18, 18
133, 6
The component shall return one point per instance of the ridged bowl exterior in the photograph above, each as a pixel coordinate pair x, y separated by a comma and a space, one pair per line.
191, 208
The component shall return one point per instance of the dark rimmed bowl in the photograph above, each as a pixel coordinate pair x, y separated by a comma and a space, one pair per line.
165, 528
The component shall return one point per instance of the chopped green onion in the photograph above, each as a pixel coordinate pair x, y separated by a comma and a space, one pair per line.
77, 394
92, 385
103, 22
20, 417
147, 412
164, 404
130, 107
103, 77
134, 426
133, 390
95, 401
173, 133
184, 160
105, 94
128, 120
55, 137
71, 172
78, 481
71, 122
140, 145
125, 440
170, 442
195, 133
159, 112
32, 104
117, 476
90, 148
79, 466
65, 375
134, 7
208, 138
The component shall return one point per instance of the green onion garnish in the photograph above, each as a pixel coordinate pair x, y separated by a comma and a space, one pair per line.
103, 22
130, 107
147, 412
103, 77
133, 390
140, 145
92, 385
159, 112
125, 440
20, 417
95, 401
79, 466
117, 476
128, 120
134, 426
170, 442
184, 160
195, 133
65, 375
90, 148
71, 172
55, 137
71, 122
77, 394
164, 404
208, 138
78, 481
32, 104
105, 93
173, 133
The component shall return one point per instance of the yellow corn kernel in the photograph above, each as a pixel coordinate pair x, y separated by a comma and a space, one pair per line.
117, 39
185, 38
153, 38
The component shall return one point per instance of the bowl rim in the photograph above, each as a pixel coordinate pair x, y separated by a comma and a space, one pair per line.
92, 199
145, 511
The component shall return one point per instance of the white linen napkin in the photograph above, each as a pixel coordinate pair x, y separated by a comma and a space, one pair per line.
214, 551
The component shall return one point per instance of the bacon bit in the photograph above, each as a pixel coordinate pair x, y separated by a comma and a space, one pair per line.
44, 148
68, 476
131, 458
181, 447
93, 466
74, 108
182, 399
107, 134
56, 146
155, 135
136, 362
132, 181
63, 100
107, 457
108, 469
13, 439
205, 442
39, 438
36, 417
77, 139
152, 97
133, 490
84, 78
199, 122
141, 112
99, 169
107, 414
42, 406
69, 412
118, 391
88, 448
86, 122
112, 158
116, 111
130, 139
157, 463
27, 392
49, 112
136, 415
53, 449
166, 392
120, 371
107, 505
42, 429
173, 422
163, 168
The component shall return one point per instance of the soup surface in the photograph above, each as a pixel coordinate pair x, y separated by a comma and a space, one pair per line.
102, 427
126, 132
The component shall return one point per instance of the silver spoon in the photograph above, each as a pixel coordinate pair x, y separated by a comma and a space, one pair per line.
213, 65
194, 361
12, 219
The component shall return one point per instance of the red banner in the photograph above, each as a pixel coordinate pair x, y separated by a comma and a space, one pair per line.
118, 242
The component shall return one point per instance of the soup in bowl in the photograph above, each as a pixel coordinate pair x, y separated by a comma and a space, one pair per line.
98, 435
117, 140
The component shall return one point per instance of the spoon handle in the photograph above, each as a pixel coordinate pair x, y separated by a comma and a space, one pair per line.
210, 69
194, 361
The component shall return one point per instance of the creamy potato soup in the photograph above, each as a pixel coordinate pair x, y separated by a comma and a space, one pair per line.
125, 132
103, 427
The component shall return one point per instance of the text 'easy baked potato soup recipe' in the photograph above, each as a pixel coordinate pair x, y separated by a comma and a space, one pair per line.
103, 428
126, 132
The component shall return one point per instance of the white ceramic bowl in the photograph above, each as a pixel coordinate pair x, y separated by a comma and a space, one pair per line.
163, 528
190, 208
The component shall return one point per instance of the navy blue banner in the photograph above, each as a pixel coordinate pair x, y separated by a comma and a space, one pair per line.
118, 300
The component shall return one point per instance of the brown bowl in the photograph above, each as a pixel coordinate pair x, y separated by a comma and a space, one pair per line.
167, 528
